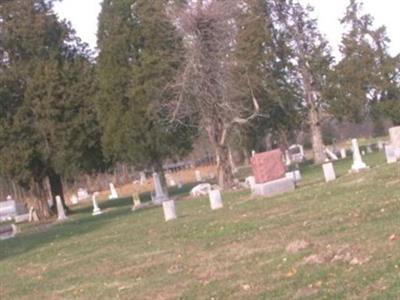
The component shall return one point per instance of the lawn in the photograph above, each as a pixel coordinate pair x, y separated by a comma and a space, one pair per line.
351, 228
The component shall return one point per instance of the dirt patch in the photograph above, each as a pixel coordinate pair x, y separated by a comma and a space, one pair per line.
297, 246
306, 292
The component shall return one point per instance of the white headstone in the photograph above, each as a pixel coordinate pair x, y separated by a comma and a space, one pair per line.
60, 210
169, 210
197, 173
380, 145
294, 175
253, 153
82, 194
394, 134
180, 183
390, 152
215, 199
329, 172
363, 153
171, 181
343, 153
113, 192
142, 178
250, 181
369, 149
331, 155
136, 201
358, 163
160, 196
96, 208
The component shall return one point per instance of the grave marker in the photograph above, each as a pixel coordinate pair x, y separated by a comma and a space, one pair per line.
358, 163
169, 210
329, 172
215, 199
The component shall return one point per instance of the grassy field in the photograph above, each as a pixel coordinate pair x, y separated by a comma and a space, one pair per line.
350, 229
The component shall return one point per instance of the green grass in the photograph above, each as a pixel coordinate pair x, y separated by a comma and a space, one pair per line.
234, 253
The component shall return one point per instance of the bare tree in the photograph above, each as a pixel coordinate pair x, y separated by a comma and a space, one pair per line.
206, 85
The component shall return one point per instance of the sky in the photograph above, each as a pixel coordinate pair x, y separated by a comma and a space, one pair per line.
83, 16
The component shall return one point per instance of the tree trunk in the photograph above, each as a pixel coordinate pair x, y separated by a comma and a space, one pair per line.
56, 189
39, 203
224, 169
316, 137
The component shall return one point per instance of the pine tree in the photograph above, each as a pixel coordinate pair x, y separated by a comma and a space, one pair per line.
367, 77
47, 121
140, 53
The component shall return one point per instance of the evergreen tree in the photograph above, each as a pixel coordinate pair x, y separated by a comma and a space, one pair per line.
367, 77
140, 53
48, 125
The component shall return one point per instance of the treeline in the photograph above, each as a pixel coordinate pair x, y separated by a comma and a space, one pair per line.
238, 70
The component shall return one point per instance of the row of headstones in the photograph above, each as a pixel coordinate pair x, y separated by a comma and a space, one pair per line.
160, 198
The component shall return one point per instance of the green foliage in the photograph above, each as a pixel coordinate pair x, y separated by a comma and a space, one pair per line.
140, 54
367, 77
47, 117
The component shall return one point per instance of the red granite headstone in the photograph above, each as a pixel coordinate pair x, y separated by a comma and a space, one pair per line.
268, 166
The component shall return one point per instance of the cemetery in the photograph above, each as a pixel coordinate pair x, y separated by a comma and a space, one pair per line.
219, 149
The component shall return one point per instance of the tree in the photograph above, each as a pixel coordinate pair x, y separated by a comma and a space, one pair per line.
47, 119
311, 54
367, 77
207, 85
264, 54
140, 53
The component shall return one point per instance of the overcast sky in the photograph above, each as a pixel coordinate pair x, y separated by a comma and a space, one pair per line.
83, 16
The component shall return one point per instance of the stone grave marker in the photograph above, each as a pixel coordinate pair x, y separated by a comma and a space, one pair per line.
390, 153
160, 195
113, 192
198, 176
96, 208
358, 163
343, 153
329, 172
215, 199
169, 210
270, 174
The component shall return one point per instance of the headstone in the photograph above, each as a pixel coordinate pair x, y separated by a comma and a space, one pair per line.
268, 166
201, 189
11, 208
96, 208
394, 134
329, 172
381, 145
269, 172
82, 194
215, 199
180, 183
369, 149
197, 173
358, 163
113, 192
160, 196
142, 178
169, 210
363, 153
171, 181
288, 160
253, 153
60, 210
331, 155
294, 175
390, 152
343, 153
136, 201
273, 188
297, 153
250, 181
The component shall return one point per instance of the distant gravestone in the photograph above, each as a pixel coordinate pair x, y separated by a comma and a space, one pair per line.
358, 163
294, 175
198, 176
343, 153
136, 202
329, 172
82, 194
142, 178
60, 210
96, 208
160, 196
215, 199
113, 192
74, 199
381, 145
369, 149
169, 210
394, 134
390, 153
